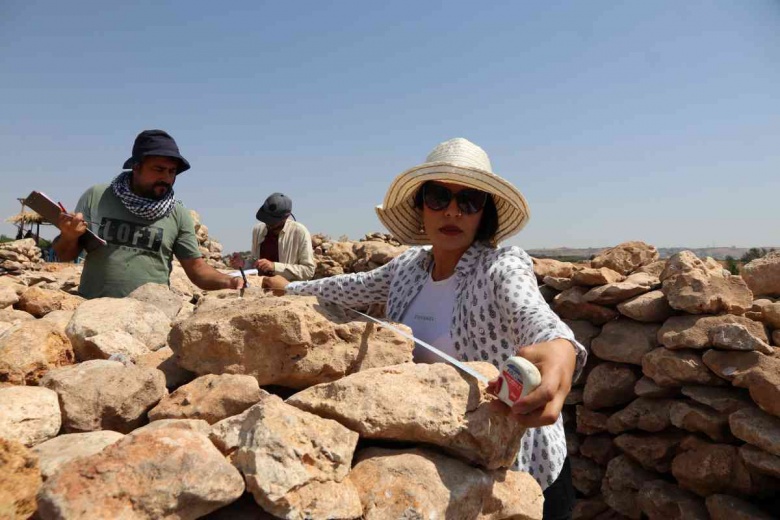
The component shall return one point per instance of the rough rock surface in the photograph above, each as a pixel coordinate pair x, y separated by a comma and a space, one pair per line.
418, 484
732, 336
105, 395
30, 349
40, 302
625, 341
757, 428
699, 287
20, 480
726, 507
694, 331
610, 384
762, 275
660, 500
758, 373
590, 276
614, 293
570, 304
678, 368
145, 322
290, 341
290, 457
29, 414
160, 296
653, 452
60, 450
650, 307
650, 415
627, 257
622, 482
169, 473
707, 468
164, 360
210, 397
449, 410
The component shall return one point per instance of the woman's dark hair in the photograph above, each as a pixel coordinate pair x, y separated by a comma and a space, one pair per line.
488, 224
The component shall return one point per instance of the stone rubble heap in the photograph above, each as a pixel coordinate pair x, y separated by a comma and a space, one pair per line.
264, 407
339, 257
20, 255
677, 414
175, 404
211, 249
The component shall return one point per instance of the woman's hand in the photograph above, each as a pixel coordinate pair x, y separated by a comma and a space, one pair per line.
556, 361
276, 283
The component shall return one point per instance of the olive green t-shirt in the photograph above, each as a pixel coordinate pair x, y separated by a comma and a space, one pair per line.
138, 251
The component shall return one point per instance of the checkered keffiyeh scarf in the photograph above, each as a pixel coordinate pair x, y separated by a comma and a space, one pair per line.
142, 207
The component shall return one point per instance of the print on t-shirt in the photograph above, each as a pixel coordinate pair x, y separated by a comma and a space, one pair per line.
129, 234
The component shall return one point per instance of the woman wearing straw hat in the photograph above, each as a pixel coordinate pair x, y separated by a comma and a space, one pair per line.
470, 298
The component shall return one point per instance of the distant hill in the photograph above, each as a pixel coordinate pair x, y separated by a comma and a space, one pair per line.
570, 253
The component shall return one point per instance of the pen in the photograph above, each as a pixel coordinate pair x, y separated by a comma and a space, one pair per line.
69, 214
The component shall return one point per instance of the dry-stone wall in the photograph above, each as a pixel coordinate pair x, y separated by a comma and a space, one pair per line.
19, 255
339, 257
175, 404
209, 247
676, 415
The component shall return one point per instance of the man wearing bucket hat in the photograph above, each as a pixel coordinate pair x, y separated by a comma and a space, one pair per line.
470, 298
280, 246
142, 223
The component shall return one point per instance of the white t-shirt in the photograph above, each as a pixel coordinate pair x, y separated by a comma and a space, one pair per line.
430, 317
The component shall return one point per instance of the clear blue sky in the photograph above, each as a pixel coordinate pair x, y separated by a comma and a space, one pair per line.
655, 121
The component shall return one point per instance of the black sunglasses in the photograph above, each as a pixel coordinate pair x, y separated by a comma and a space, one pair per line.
438, 197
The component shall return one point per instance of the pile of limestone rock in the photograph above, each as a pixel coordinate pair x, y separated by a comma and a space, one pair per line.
209, 247
254, 407
677, 415
20, 255
175, 404
345, 256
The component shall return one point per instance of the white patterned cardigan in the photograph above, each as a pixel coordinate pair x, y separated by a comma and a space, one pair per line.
498, 307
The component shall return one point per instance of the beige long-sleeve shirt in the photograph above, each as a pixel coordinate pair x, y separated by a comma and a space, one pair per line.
296, 257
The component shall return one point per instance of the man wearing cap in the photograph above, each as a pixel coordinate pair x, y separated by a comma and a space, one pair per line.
142, 223
280, 245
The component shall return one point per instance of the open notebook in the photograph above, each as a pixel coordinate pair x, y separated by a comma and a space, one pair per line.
50, 211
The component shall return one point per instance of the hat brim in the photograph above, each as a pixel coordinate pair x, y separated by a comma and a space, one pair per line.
184, 165
268, 219
398, 214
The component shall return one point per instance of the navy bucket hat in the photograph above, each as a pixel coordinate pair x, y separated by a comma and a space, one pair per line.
276, 208
155, 143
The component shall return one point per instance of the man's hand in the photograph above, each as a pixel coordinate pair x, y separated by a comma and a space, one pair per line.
556, 361
236, 282
264, 266
208, 278
276, 283
236, 262
71, 226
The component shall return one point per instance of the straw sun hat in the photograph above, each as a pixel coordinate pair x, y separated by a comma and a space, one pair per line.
457, 161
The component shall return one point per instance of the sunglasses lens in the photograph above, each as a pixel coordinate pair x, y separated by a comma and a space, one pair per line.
471, 201
437, 197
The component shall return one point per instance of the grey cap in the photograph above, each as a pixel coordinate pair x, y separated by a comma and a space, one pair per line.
276, 208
